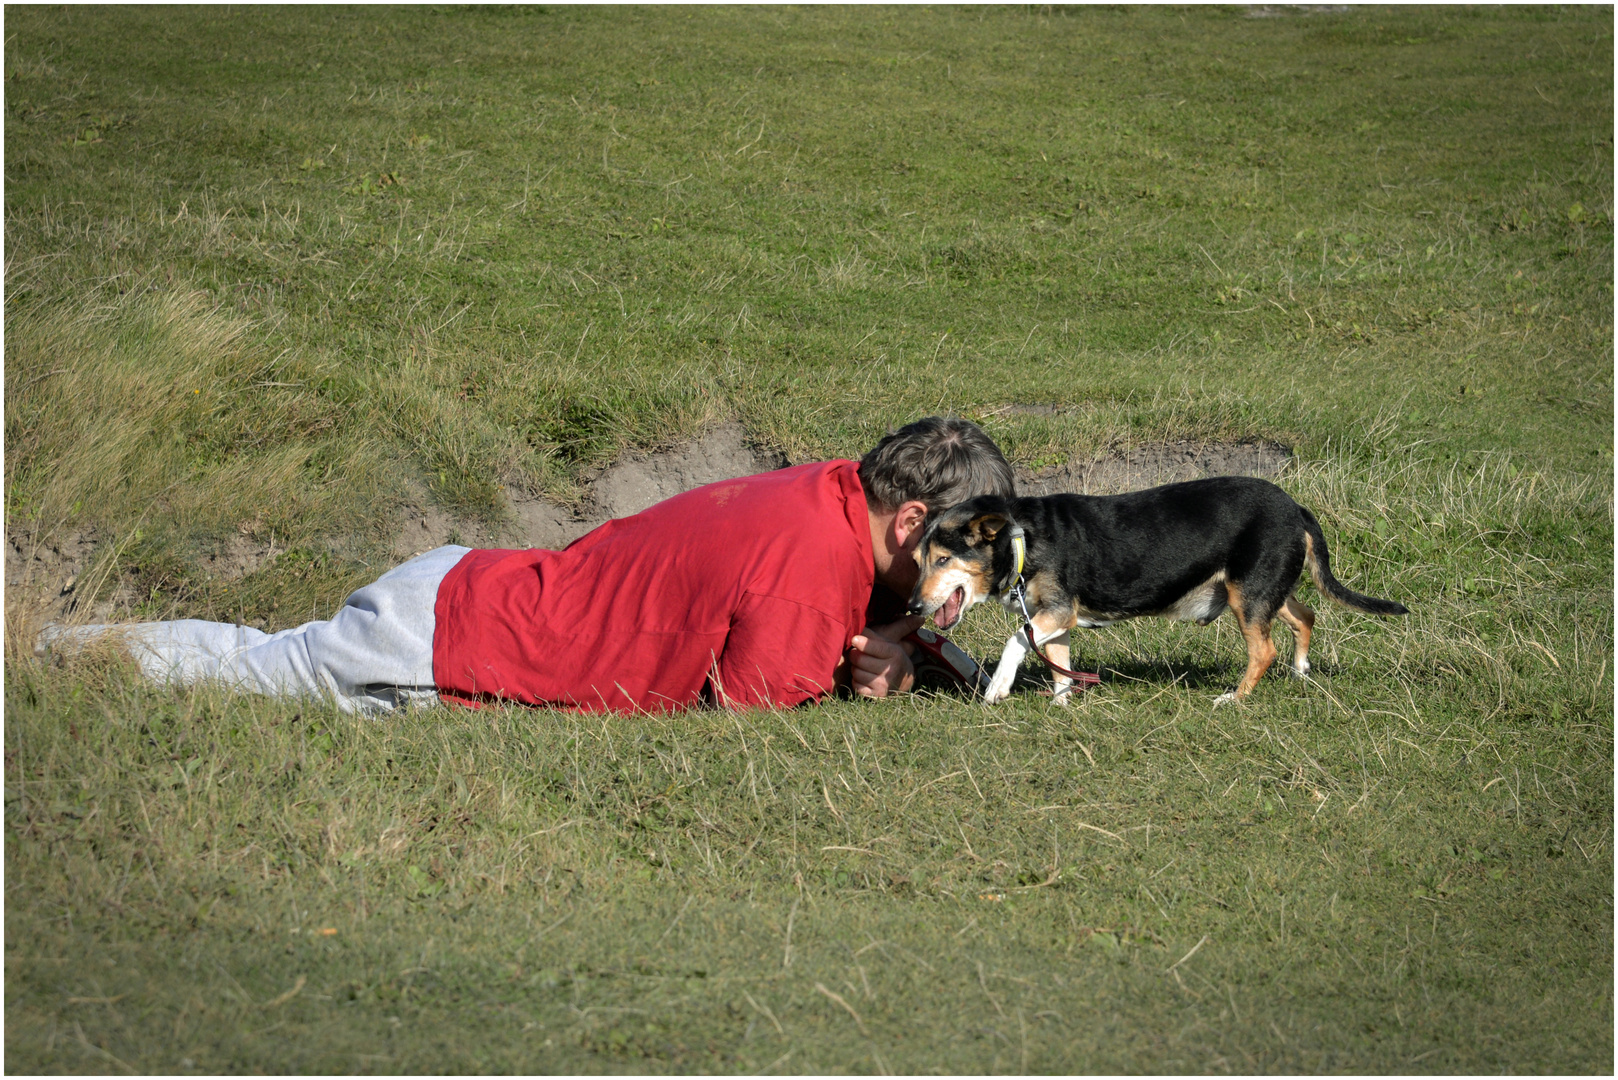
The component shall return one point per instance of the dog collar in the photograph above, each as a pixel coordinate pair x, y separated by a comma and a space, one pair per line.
1019, 556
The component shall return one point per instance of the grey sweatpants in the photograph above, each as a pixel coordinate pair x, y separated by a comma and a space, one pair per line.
375, 654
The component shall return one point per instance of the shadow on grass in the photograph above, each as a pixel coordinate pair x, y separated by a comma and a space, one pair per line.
1160, 671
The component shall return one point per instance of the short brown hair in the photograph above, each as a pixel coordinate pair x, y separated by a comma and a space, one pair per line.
940, 460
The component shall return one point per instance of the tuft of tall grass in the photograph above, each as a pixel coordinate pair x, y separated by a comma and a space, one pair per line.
160, 425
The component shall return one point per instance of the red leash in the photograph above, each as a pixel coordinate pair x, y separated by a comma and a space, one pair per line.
1082, 680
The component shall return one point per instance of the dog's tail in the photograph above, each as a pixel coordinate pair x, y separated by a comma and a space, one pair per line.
1319, 564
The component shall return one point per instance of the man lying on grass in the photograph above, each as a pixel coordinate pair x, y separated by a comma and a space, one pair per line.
769, 590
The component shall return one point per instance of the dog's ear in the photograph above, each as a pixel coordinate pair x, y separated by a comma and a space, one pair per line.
984, 528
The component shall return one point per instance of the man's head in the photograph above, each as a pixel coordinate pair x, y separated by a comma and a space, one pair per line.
938, 461
919, 471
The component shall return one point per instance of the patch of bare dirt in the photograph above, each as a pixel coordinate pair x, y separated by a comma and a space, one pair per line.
542, 524
61, 576
1277, 11
1031, 409
241, 554
48, 577
424, 526
628, 487
645, 480
1158, 463
53, 564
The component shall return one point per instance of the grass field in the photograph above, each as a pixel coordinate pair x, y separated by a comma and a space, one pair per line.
269, 271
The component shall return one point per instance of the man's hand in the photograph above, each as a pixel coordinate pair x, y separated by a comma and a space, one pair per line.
880, 659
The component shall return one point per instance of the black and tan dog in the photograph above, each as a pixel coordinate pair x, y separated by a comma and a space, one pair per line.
1182, 551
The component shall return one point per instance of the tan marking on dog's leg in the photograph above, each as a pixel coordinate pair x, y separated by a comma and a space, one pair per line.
1260, 649
1061, 656
1260, 655
1051, 630
1048, 625
1302, 620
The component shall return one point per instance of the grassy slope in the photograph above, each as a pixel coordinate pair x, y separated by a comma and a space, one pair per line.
265, 266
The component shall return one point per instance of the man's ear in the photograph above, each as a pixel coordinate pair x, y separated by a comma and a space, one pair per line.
909, 522
984, 528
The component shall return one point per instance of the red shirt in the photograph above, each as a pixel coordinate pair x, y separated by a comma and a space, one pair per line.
747, 590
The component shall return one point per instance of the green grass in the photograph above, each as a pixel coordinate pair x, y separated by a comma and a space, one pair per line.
269, 268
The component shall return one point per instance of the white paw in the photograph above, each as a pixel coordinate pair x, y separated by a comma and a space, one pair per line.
1063, 695
1224, 699
1300, 669
999, 689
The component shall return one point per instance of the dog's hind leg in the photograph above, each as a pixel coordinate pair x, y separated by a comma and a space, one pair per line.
1260, 649
1302, 620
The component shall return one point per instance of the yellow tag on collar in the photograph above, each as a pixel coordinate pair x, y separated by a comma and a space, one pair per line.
1019, 550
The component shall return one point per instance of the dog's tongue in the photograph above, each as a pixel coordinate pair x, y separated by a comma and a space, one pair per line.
946, 615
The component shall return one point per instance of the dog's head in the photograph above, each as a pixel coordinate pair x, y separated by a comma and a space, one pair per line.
957, 559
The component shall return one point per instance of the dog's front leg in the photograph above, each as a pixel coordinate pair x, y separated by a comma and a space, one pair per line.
1005, 674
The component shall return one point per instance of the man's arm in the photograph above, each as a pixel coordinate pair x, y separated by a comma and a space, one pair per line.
880, 659
779, 653
782, 653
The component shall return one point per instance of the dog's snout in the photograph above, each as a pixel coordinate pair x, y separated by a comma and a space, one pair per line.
918, 604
